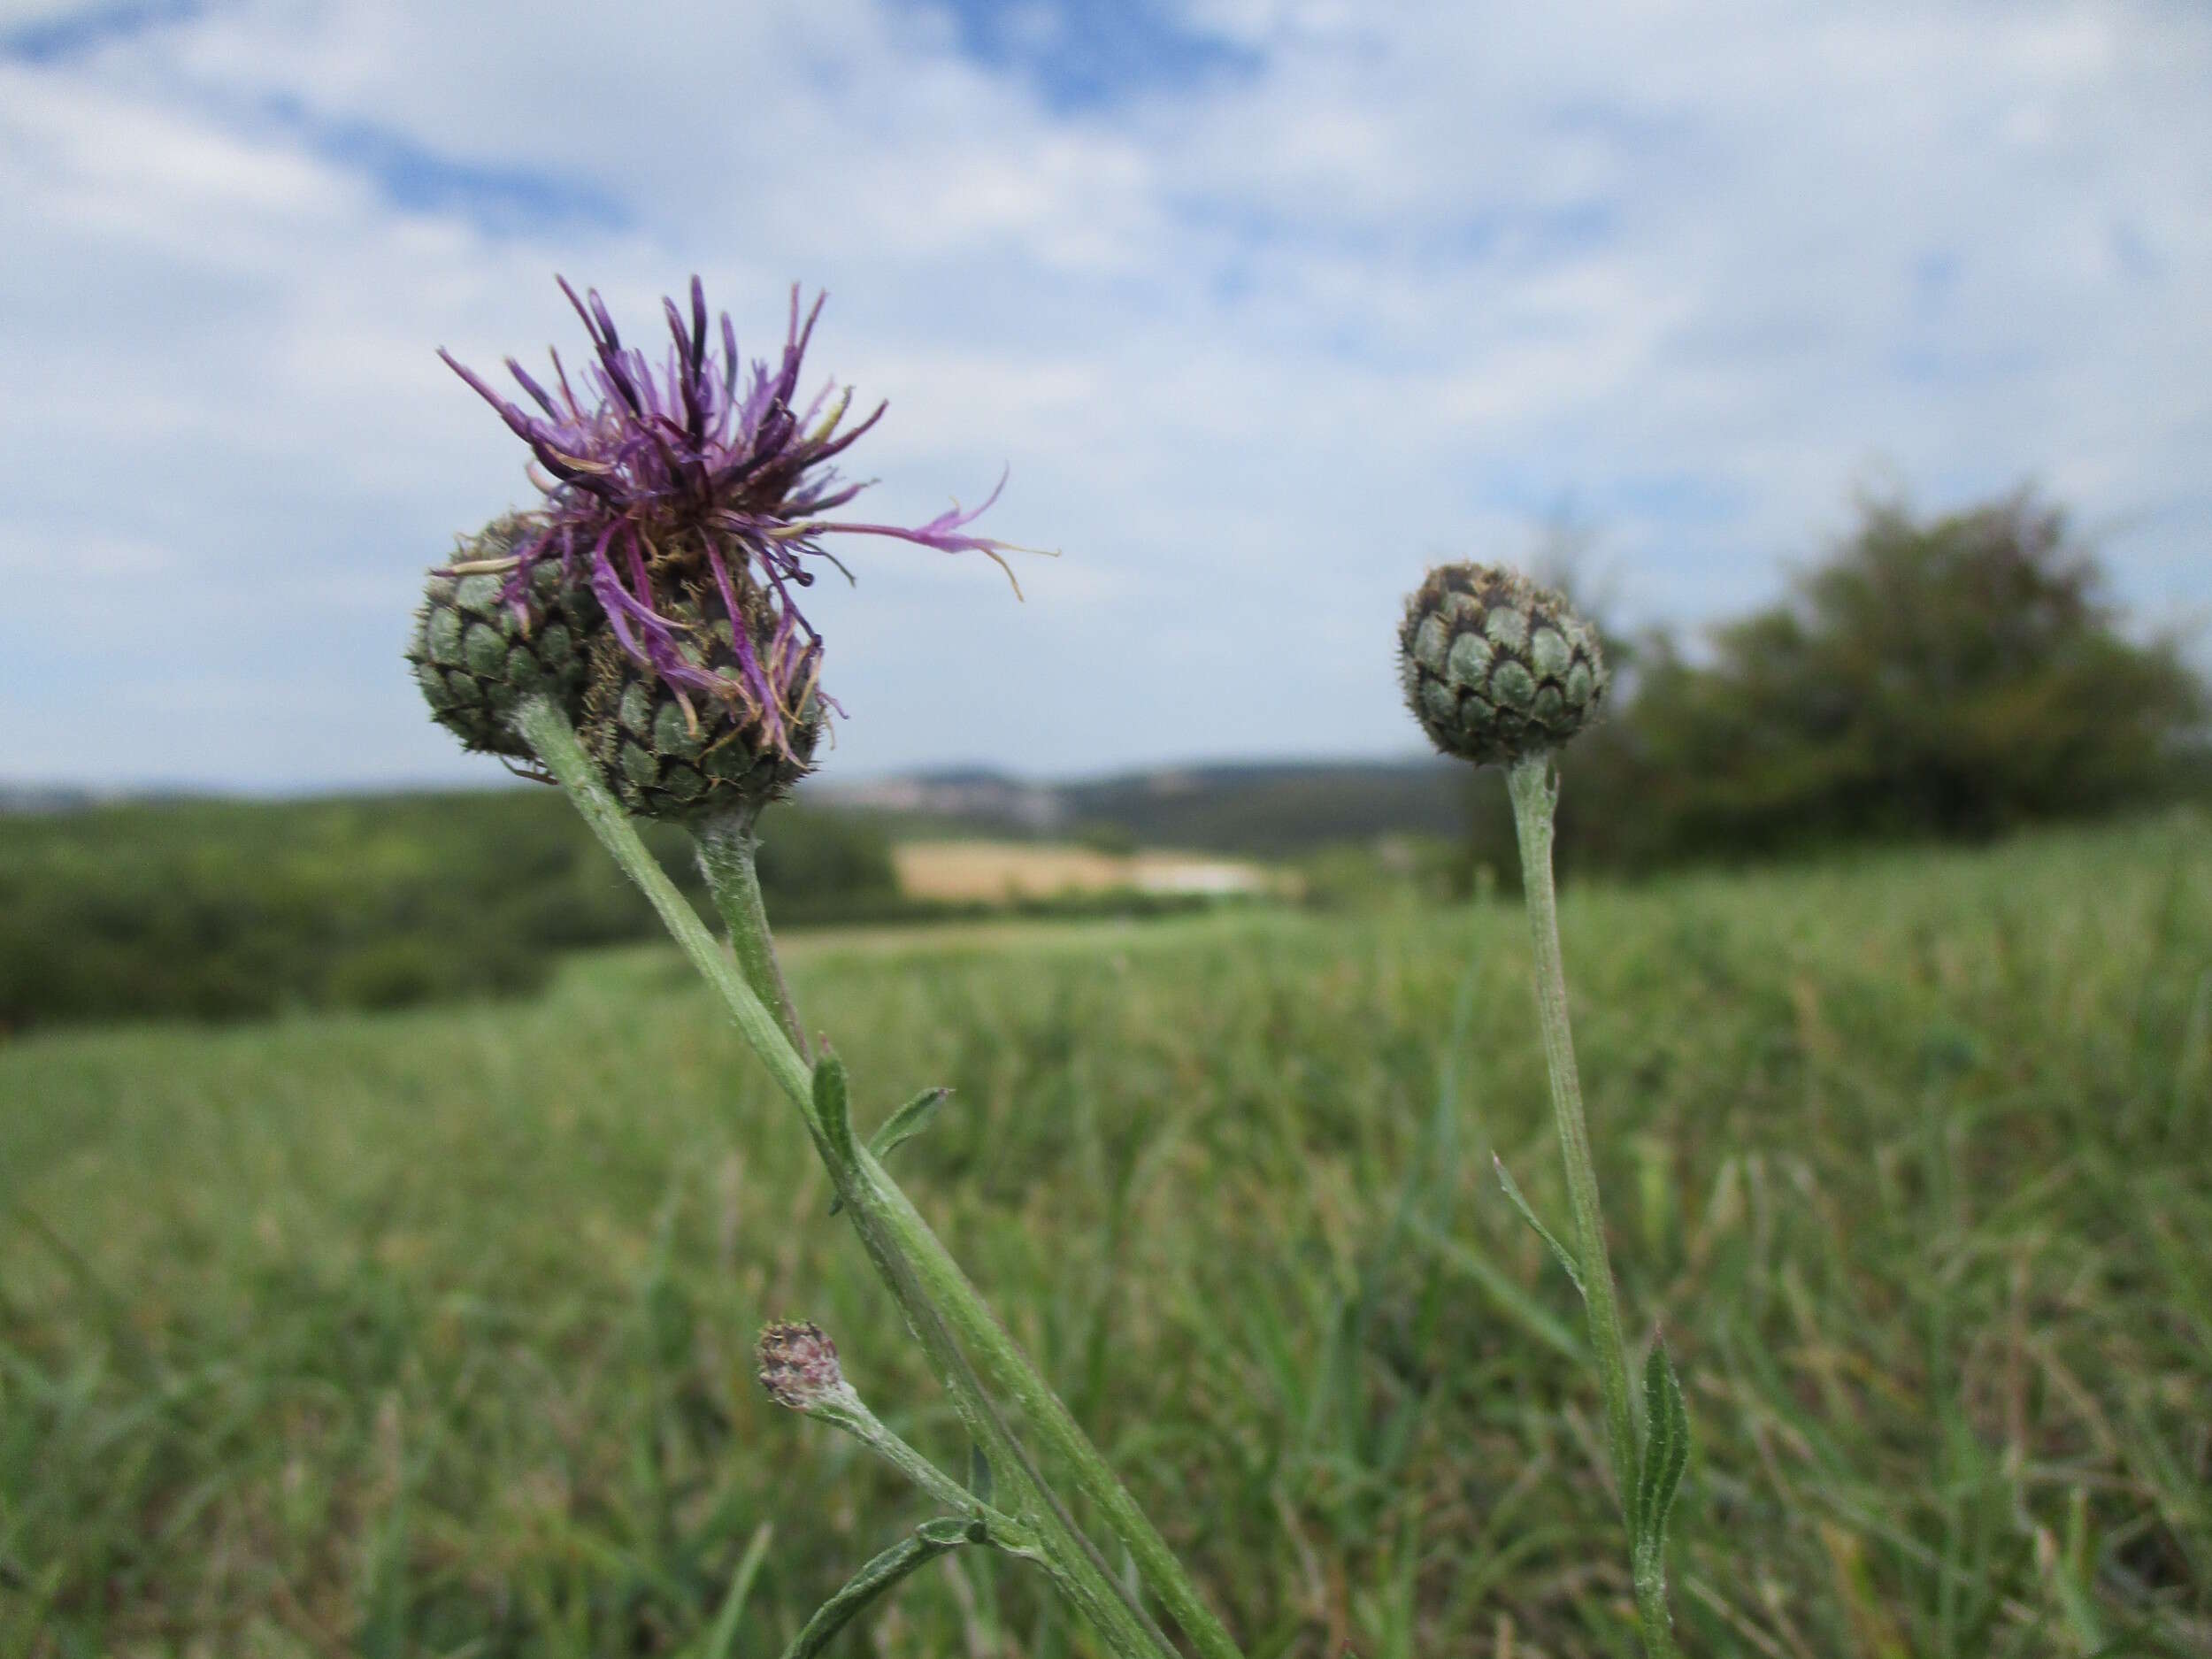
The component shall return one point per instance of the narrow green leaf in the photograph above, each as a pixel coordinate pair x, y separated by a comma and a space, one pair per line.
1680, 1460
1566, 1257
872, 1580
1666, 1451
908, 1121
832, 1105
1656, 1429
901, 1127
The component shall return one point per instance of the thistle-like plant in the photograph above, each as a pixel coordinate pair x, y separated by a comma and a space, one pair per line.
1500, 671
694, 494
637, 637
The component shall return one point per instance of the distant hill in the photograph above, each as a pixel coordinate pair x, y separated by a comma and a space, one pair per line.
23, 798
1260, 808
176, 905
1265, 808
956, 801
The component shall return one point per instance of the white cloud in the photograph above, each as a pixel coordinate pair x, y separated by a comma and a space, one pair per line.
1255, 348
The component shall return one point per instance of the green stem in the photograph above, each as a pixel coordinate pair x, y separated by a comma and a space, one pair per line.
1002, 1360
1069, 1556
547, 730
944, 1311
1535, 793
1073, 1560
1088, 1585
849, 1412
729, 845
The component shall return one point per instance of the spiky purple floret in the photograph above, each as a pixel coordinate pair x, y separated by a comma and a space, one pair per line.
697, 474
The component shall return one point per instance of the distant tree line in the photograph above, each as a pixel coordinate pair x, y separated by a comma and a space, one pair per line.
1958, 676
1955, 676
225, 909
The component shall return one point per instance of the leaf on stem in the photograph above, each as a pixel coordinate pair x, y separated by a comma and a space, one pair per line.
929, 1540
901, 1127
952, 1530
908, 1121
1566, 1257
832, 1105
1666, 1453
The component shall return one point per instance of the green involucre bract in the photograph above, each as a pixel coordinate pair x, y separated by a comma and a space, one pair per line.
476, 655
1495, 668
667, 755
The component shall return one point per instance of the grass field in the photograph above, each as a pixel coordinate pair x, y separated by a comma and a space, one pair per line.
427, 1332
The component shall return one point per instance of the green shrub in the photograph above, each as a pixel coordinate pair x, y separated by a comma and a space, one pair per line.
1954, 677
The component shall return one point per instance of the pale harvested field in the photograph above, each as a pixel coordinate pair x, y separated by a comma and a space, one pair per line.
967, 872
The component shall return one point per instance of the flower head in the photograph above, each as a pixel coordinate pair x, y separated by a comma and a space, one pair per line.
1494, 668
697, 482
799, 1368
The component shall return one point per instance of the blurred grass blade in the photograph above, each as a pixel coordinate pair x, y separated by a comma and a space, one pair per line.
1532, 1314
722, 1639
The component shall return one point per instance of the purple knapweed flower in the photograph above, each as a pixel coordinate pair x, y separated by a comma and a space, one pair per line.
694, 480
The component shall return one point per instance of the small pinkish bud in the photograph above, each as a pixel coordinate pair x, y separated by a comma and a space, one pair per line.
798, 1366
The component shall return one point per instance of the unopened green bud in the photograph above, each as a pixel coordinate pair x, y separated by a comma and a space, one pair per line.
1495, 668
477, 652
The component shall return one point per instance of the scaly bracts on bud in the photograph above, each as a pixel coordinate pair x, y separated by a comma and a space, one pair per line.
1495, 668
668, 756
799, 1368
663, 485
481, 644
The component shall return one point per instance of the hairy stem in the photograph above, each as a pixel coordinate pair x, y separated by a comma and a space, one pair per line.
546, 729
1535, 793
1070, 1556
729, 846
1003, 1361
847, 1412
945, 1314
936, 1298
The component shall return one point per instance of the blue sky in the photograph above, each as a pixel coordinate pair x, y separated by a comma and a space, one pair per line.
1266, 304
